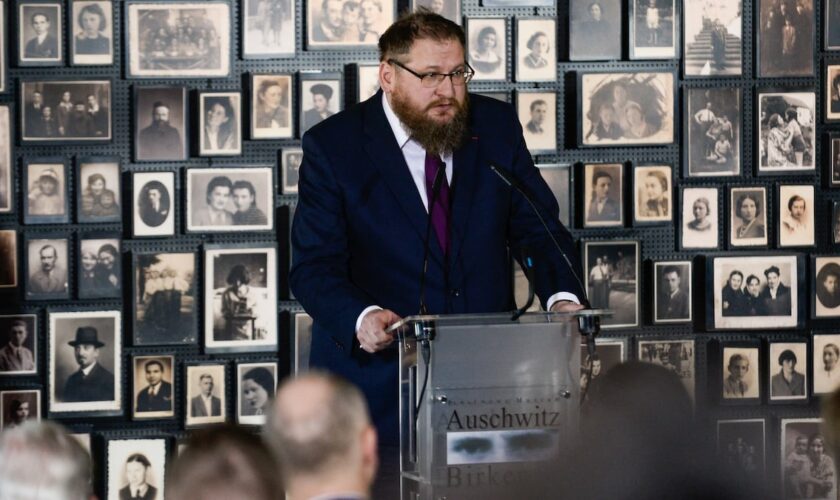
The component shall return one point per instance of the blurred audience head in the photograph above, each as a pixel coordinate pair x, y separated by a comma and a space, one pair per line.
831, 423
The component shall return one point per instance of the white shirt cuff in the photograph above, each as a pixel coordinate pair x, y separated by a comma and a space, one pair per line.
560, 296
361, 316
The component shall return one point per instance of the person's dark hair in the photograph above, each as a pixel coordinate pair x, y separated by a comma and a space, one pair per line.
794, 199
45, 247
109, 248
830, 269
772, 269
267, 84
153, 362
598, 174
15, 406
742, 198
735, 358
536, 103
752, 277
228, 128
19, 322
159, 104
671, 269
218, 181
835, 83
262, 377
204, 376
733, 273
139, 458
244, 185
96, 177
787, 355
487, 30
834, 348
239, 274
43, 14
704, 201
533, 39
422, 24
93, 8
790, 114
663, 180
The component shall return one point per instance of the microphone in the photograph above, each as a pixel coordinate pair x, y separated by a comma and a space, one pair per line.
439, 176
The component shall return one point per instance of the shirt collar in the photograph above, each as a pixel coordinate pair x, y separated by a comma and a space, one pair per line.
89, 369
396, 125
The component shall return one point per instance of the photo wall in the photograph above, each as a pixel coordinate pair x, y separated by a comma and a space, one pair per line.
148, 175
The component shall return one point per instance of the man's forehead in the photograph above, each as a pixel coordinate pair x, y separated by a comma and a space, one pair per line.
436, 55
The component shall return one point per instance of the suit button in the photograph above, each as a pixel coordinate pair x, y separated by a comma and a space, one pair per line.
455, 292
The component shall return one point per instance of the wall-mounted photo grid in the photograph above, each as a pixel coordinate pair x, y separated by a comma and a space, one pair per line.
158, 158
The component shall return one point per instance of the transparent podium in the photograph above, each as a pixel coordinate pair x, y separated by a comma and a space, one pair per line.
486, 401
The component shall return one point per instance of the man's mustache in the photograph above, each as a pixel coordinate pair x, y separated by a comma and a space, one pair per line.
444, 102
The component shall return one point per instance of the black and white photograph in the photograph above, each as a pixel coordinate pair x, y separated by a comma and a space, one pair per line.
320, 98
740, 372
807, 467
136, 469
835, 223
834, 160
712, 40
7, 170
785, 39
537, 113
558, 178
290, 160
76, 111
154, 387
741, 447
748, 216
786, 132
795, 215
603, 195
205, 394
487, 48
19, 338
653, 190
268, 29
501, 446
826, 360
654, 25
832, 26
536, 49
99, 268
367, 81
164, 298
832, 92
611, 275
92, 26
826, 287
8, 258
610, 353
47, 264
712, 139
754, 292
626, 108
46, 191
98, 190
595, 30
40, 35
178, 39
347, 24
672, 289
450, 9
303, 341
675, 355
220, 117
160, 123
240, 298
271, 106
788, 371
256, 384
153, 213
85, 362
17, 407
4, 58
232, 199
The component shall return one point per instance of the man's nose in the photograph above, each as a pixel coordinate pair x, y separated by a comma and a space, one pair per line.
445, 88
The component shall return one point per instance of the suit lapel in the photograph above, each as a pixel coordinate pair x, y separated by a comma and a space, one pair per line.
464, 176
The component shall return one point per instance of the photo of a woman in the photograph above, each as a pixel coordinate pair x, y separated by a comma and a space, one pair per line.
699, 217
749, 218
487, 49
271, 108
257, 388
98, 200
701, 221
538, 46
239, 304
92, 39
653, 203
221, 125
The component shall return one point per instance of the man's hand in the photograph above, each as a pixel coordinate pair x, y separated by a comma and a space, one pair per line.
565, 306
371, 332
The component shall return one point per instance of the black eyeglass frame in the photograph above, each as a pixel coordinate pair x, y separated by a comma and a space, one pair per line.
468, 73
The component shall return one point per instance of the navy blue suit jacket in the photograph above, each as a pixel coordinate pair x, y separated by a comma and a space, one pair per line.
360, 223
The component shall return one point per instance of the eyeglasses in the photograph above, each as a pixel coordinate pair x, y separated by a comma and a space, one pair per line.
432, 80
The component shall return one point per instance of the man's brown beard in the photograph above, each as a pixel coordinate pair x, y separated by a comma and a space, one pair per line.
436, 138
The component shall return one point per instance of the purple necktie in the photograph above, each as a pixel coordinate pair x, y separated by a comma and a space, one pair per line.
440, 210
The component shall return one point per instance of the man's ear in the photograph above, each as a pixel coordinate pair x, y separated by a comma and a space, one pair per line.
386, 77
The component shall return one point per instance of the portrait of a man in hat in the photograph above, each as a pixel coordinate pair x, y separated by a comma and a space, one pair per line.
321, 95
91, 382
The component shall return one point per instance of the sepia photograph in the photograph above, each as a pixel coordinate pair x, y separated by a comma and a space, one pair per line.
536, 49
672, 289
17, 407
268, 29
46, 191
290, 159
832, 26
610, 353
712, 39
834, 160
595, 30
788, 371
807, 467
795, 216
603, 193
240, 298
712, 138
153, 213
98, 271
740, 372
7, 167
271, 106
85, 362
46, 268
654, 25
487, 48
153, 383
748, 216
348, 24
220, 115
367, 81
40, 36
256, 384
785, 39
303, 342
320, 98
160, 123
450, 9
232, 199
835, 224
558, 178
832, 92
65, 111
8, 258
205, 395
164, 298
92, 25
612, 280
4, 54
653, 194
98, 190
136, 469
786, 132
178, 39
19, 338
626, 108
675, 355
537, 113
741, 446
825, 297
826, 349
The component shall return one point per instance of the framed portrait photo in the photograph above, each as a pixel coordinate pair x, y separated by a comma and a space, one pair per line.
594, 30
99, 190
92, 24
654, 25
487, 48
559, 180
268, 29
19, 336
205, 392
834, 160
672, 289
290, 160
786, 132
450, 9
712, 39
347, 24
240, 298
256, 384
788, 371
234, 199
4, 53
785, 42
537, 113
603, 189
795, 215
826, 353
178, 39
832, 92
612, 280
165, 298
536, 49
8, 258
367, 81
19, 406
271, 106
825, 296
832, 26
751, 292
136, 465
220, 123
741, 444
748, 207
653, 189
626, 109
835, 223
85, 363
70, 111
801, 439
99, 268
160, 123
611, 352
712, 139
46, 191
740, 373
675, 355
321, 96
7, 167
40, 33
46, 268
154, 387
303, 341
153, 200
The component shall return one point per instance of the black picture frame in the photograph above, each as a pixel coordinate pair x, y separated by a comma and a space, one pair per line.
835, 223
367, 80
722, 54
38, 174
290, 161
605, 182
99, 275
193, 416
653, 194
702, 158
698, 232
780, 55
649, 30
157, 139
277, 122
94, 205
4, 52
825, 352
832, 26
50, 51
202, 215
793, 433
779, 390
258, 26
12, 401
493, 66
832, 90
742, 443
176, 293
82, 127
825, 286
312, 88
672, 306
739, 373
153, 403
558, 176
153, 448
9, 276
49, 286
531, 106
86, 50
256, 384
833, 161
228, 139
7, 163
795, 203
589, 30
320, 36
619, 270
756, 232
10, 325
147, 221
774, 109
302, 331
677, 354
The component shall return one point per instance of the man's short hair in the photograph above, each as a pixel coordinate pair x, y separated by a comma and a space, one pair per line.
218, 181
244, 185
159, 104
834, 348
140, 459
793, 199
738, 357
751, 278
598, 174
422, 24
45, 247
204, 376
109, 248
42, 14
537, 103
787, 355
671, 269
772, 269
153, 362
19, 322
